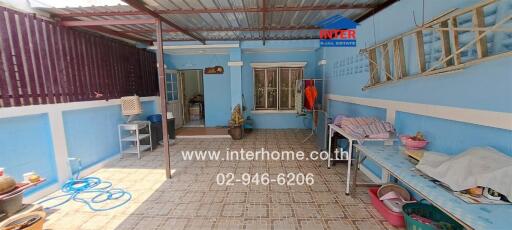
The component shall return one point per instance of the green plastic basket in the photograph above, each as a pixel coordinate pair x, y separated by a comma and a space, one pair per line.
430, 212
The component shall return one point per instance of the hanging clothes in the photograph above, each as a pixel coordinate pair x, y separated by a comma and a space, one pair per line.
311, 94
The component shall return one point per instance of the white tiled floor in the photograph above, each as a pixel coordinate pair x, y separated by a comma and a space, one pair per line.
193, 200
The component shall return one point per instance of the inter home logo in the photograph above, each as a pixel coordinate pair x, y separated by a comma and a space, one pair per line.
337, 31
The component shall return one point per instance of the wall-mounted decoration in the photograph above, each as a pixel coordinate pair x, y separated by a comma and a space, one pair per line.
214, 70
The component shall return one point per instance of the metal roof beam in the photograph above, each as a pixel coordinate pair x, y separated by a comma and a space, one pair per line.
250, 39
141, 7
141, 31
73, 23
119, 34
227, 10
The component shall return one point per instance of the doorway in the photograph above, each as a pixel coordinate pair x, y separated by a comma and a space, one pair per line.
192, 97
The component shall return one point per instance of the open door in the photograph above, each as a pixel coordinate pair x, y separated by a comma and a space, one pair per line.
174, 96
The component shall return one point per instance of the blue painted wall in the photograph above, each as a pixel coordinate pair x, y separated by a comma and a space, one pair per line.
217, 91
486, 86
276, 120
91, 135
27, 146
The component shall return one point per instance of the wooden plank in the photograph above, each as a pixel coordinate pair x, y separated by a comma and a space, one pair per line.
4, 89
54, 63
38, 69
45, 59
110, 72
445, 43
455, 40
420, 51
61, 69
6, 47
374, 71
105, 68
94, 66
479, 21
385, 59
82, 76
76, 66
400, 70
69, 69
86, 67
26, 46
117, 70
22, 84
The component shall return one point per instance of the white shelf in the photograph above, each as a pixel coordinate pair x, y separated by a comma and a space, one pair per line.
134, 137
133, 149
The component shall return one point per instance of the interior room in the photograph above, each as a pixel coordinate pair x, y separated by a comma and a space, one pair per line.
168, 114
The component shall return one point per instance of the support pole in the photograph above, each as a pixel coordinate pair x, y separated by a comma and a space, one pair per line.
163, 99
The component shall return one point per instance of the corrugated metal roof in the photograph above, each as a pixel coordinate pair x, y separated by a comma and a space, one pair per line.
203, 17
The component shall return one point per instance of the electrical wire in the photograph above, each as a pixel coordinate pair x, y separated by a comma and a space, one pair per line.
101, 191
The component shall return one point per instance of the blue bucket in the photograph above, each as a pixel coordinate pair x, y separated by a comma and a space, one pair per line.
155, 118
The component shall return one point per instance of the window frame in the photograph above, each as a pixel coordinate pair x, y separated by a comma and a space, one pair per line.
291, 85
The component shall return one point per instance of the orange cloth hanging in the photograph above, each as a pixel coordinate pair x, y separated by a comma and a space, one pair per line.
311, 93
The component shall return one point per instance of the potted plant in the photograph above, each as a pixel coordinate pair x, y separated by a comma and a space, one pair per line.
236, 124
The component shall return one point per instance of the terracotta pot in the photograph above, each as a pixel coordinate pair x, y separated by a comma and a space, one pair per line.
236, 132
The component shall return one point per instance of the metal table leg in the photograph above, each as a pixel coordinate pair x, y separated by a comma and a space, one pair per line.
356, 170
349, 161
329, 158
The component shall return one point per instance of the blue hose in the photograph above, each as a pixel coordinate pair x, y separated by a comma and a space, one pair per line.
75, 187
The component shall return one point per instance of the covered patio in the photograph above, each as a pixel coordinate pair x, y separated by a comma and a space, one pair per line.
260, 114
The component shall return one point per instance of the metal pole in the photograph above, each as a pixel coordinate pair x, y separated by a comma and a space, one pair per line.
163, 94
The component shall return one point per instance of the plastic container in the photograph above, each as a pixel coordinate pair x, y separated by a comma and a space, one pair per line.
428, 211
12, 204
412, 144
394, 218
155, 118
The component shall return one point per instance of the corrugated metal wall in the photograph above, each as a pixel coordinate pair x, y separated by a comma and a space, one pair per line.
43, 63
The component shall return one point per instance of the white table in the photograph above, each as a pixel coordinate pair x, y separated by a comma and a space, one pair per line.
348, 154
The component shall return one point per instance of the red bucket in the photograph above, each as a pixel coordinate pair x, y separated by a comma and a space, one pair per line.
394, 218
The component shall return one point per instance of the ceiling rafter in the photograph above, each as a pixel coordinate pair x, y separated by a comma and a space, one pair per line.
141, 7
252, 38
225, 29
119, 34
220, 10
73, 23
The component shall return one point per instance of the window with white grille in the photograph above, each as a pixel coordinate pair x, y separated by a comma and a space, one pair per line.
274, 87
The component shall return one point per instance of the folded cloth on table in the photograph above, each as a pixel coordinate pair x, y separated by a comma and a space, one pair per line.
478, 166
365, 127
